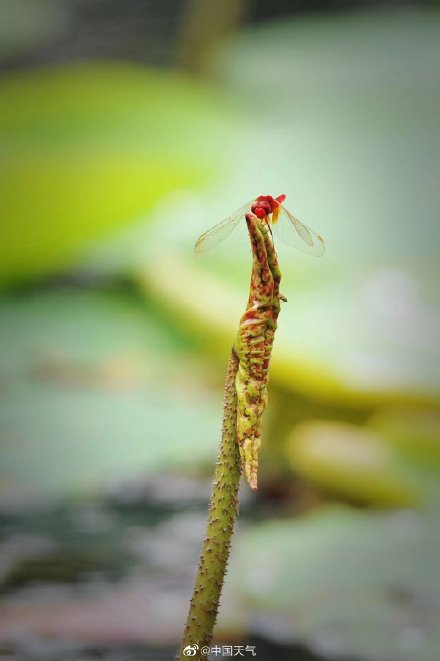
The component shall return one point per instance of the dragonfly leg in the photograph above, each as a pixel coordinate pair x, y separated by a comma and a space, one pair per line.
270, 229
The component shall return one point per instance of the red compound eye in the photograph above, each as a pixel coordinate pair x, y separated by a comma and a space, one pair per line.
260, 212
269, 202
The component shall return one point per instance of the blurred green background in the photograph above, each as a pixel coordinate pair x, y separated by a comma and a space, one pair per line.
126, 130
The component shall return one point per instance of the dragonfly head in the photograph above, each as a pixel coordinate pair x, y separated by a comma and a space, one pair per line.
261, 207
266, 204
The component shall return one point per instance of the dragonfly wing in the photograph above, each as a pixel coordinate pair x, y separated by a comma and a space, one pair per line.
293, 232
221, 231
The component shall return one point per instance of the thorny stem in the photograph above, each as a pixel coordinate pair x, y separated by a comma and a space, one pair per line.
222, 514
244, 403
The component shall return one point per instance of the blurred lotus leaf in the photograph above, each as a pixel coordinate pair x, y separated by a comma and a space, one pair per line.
88, 383
347, 584
347, 123
86, 149
413, 432
346, 126
338, 339
351, 461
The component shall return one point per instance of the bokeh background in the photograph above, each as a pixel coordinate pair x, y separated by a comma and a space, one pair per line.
127, 129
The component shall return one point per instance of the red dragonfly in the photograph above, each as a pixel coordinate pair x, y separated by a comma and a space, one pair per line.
270, 209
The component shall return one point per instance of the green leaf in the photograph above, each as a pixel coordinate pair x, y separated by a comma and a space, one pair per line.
345, 127
86, 149
414, 432
339, 338
344, 583
95, 389
353, 462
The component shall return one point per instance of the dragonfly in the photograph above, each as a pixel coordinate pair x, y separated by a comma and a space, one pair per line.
271, 210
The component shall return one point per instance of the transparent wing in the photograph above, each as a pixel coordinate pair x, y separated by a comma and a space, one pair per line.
293, 232
221, 231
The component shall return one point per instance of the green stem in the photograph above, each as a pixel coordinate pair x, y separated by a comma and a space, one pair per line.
223, 512
244, 404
